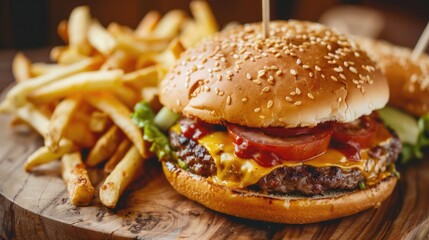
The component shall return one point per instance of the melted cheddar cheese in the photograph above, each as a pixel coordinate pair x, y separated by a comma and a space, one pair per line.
236, 172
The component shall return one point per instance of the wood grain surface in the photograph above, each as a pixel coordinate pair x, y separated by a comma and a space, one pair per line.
36, 206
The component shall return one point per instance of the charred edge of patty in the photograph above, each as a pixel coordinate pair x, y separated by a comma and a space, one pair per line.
306, 180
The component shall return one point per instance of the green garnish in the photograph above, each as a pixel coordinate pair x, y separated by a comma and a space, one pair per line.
396, 173
414, 134
143, 117
361, 185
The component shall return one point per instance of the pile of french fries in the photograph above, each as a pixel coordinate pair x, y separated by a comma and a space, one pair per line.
83, 101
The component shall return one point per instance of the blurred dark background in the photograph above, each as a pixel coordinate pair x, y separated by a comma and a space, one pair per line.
28, 24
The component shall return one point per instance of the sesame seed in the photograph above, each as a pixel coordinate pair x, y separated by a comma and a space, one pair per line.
279, 72
323, 75
309, 95
221, 93
298, 91
261, 73
297, 103
266, 89
342, 76
289, 99
293, 72
257, 82
219, 77
257, 110
305, 66
277, 55
334, 78
228, 100
262, 116
244, 99
248, 76
298, 61
318, 68
353, 70
346, 64
357, 54
338, 69
270, 104
340, 99
310, 74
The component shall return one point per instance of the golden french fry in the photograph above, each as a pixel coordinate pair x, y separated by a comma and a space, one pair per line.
82, 82
16, 97
56, 52
120, 115
127, 95
148, 23
204, 17
204, 24
119, 59
38, 69
45, 155
69, 56
100, 38
169, 26
171, 54
34, 117
73, 171
145, 77
78, 25
121, 176
145, 60
16, 121
21, 67
105, 146
80, 134
59, 120
98, 122
151, 96
62, 31
133, 45
120, 152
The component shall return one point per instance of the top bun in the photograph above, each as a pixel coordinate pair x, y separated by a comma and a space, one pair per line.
303, 74
408, 79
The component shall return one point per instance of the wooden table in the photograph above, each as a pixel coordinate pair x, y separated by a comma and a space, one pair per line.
36, 205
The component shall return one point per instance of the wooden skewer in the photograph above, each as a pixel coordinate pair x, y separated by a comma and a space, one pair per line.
421, 44
265, 18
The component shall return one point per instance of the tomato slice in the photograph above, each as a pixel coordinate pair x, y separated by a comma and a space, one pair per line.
359, 133
194, 129
270, 146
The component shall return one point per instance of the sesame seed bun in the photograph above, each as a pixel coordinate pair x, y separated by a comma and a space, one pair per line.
302, 75
408, 79
275, 209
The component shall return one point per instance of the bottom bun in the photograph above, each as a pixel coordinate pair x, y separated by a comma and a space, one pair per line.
270, 208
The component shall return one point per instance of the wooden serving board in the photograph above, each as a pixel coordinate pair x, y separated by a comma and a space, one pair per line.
36, 206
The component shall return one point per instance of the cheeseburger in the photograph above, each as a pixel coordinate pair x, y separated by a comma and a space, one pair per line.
280, 129
408, 80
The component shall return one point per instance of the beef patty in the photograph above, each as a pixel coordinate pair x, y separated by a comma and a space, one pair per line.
306, 180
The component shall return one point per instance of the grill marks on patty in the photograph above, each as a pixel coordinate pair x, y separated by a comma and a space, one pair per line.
306, 180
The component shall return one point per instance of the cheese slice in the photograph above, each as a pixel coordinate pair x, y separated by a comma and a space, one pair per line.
235, 172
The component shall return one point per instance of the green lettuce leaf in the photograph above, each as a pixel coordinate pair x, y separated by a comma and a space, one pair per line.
144, 118
413, 133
